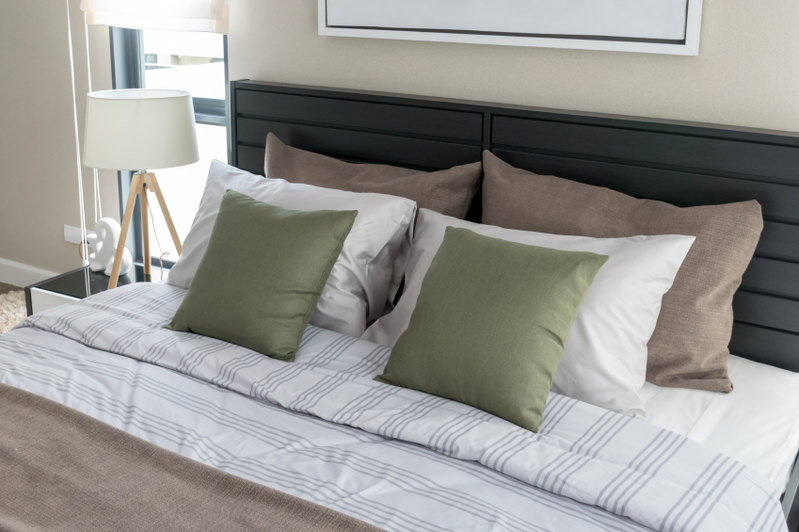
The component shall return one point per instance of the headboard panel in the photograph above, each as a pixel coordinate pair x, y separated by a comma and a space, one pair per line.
392, 131
682, 163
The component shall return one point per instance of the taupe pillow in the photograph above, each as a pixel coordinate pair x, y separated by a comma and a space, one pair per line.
448, 191
689, 347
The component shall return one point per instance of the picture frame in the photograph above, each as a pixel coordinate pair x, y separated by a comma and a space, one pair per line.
644, 26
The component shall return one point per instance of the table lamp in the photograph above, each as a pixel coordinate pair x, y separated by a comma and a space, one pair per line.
136, 129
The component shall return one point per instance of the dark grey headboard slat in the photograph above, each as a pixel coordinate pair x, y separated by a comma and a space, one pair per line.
767, 276
766, 311
411, 120
363, 145
682, 163
780, 241
664, 149
763, 344
773, 277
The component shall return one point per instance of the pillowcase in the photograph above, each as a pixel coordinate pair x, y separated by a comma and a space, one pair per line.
490, 322
364, 279
263, 271
689, 347
604, 360
447, 191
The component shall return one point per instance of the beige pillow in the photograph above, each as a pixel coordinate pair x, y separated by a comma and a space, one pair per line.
448, 191
689, 346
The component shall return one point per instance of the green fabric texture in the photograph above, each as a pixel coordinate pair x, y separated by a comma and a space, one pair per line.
262, 273
490, 324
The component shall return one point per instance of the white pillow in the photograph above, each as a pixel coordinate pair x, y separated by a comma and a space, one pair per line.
604, 360
364, 279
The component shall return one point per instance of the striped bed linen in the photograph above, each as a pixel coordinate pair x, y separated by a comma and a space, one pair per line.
321, 429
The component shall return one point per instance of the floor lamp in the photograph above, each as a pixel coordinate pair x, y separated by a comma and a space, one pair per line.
134, 129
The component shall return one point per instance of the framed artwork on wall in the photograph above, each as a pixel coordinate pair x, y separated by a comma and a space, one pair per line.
648, 26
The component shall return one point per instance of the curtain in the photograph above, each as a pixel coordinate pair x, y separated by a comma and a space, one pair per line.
171, 15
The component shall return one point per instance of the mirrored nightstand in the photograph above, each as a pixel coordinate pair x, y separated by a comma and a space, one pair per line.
77, 284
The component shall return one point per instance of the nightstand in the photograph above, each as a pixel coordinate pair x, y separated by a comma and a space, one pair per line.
75, 285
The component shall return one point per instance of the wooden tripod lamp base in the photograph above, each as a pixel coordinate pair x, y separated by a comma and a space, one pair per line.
138, 188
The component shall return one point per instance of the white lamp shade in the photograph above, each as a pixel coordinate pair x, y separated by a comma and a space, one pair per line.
139, 129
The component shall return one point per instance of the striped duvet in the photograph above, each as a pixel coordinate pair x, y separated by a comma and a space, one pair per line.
321, 429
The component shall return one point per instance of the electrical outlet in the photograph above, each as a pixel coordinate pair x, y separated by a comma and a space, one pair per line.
72, 234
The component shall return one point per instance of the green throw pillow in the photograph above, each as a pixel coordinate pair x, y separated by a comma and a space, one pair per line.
490, 324
262, 273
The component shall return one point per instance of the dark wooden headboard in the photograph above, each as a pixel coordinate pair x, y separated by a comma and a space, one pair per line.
681, 163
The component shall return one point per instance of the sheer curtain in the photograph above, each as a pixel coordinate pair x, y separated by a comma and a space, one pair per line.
170, 15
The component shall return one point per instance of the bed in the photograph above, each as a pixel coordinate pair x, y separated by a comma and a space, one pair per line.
420, 462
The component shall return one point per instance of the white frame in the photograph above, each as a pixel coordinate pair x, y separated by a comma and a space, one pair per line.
690, 46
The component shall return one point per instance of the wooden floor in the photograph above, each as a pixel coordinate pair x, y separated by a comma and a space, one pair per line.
8, 288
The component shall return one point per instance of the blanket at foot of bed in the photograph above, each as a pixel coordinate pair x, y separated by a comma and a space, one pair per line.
63, 470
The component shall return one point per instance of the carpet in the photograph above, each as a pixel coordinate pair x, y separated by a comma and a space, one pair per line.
12, 309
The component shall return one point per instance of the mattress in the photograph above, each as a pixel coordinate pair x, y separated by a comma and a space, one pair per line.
757, 423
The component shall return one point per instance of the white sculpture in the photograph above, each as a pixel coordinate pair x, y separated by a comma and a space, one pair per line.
103, 243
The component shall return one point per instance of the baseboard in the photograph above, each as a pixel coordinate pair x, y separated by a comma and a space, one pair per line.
20, 274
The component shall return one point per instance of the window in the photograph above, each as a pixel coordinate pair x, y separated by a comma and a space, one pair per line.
192, 61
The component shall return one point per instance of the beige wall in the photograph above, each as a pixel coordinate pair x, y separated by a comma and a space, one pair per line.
39, 183
747, 71
747, 74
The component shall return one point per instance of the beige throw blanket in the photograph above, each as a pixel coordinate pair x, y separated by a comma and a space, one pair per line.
63, 470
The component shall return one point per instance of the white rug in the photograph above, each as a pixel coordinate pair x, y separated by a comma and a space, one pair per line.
12, 309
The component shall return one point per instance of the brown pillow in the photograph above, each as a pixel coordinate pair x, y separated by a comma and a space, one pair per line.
689, 346
448, 191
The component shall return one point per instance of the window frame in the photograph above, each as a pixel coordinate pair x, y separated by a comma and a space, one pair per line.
127, 72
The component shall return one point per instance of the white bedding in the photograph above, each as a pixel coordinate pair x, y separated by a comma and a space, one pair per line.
487, 474
757, 423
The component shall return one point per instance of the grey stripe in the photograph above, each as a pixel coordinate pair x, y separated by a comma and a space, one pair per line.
353, 410
393, 427
455, 428
63, 323
189, 363
762, 514
333, 351
593, 431
508, 447
311, 397
618, 481
267, 385
377, 358
477, 418
308, 335
338, 499
601, 440
733, 471
516, 452
228, 370
191, 403
126, 338
663, 458
777, 521
413, 483
551, 420
717, 462
543, 476
570, 507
